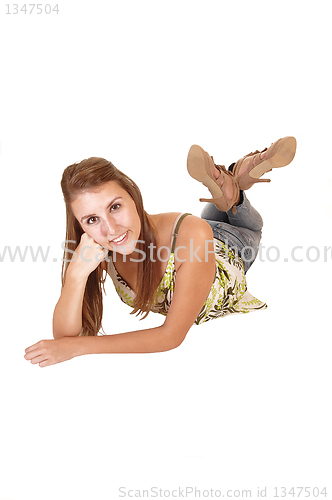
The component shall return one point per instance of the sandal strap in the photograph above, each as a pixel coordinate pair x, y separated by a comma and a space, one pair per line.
240, 161
223, 169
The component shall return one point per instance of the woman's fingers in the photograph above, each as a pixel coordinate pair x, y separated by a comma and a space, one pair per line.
33, 352
44, 363
50, 352
36, 353
32, 347
42, 344
87, 256
38, 359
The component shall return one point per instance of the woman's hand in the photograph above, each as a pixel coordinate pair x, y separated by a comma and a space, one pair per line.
50, 352
87, 257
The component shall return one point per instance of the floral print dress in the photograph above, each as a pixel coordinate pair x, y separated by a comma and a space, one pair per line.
228, 292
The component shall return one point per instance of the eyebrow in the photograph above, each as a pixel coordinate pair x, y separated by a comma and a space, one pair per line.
108, 206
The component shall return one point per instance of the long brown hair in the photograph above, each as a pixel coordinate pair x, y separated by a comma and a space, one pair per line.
89, 174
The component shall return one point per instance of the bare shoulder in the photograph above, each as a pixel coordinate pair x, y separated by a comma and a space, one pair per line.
164, 223
189, 223
193, 227
164, 220
194, 243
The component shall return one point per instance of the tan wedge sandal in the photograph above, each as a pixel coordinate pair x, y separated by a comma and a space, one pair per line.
201, 166
248, 170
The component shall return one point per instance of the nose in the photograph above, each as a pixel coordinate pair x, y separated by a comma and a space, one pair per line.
108, 228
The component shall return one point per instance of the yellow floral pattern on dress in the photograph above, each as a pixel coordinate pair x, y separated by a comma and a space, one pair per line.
228, 293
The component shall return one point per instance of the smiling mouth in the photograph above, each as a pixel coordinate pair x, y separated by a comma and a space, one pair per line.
120, 239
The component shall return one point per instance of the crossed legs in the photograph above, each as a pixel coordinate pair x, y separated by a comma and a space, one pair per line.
240, 231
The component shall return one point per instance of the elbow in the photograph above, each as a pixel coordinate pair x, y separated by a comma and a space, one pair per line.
64, 328
176, 345
59, 333
179, 340
174, 339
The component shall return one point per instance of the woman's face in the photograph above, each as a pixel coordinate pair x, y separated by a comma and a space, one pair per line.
108, 214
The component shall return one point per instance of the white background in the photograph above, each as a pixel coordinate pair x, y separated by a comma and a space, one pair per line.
244, 403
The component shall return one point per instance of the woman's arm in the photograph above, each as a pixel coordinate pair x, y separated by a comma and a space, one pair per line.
67, 317
194, 278
50, 352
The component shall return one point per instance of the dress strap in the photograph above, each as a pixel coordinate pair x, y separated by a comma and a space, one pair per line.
175, 231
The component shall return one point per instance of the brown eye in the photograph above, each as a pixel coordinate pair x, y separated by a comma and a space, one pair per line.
92, 220
116, 206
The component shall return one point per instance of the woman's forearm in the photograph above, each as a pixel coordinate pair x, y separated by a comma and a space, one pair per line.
157, 339
50, 352
67, 318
